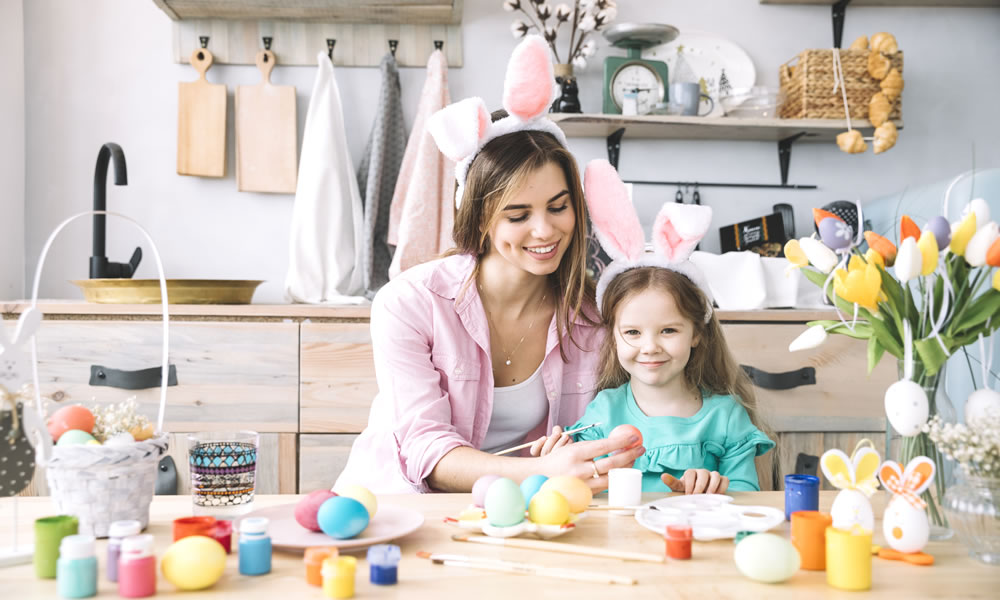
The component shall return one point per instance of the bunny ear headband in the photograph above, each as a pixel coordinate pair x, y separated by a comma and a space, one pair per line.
463, 128
677, 230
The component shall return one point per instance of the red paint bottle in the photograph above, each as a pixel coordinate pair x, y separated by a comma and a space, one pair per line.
137, 567
678, 538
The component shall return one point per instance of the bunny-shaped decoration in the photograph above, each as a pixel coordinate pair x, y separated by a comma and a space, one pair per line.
855, 477
676, 231
463, 128
904, 523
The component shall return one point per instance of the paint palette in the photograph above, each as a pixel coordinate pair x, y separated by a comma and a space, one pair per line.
711, 516
469, 521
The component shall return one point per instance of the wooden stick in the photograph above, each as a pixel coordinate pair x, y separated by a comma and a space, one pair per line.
523, 446
503, 566
559, 547
606, 507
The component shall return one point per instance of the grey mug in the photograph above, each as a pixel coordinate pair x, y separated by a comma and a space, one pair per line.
687, 96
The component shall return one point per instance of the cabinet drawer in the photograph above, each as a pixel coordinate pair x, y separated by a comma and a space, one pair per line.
235, 375
337, 377
844, 397
321, 459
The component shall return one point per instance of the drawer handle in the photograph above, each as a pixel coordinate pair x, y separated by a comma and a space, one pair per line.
781, 381
143, 379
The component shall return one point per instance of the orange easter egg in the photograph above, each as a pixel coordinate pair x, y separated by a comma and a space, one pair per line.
626, 431
69, 417
573, 489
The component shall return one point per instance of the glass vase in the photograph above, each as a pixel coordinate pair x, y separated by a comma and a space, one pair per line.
972, 506
903, 449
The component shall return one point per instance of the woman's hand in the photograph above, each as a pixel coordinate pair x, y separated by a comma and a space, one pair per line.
578, 460
546, 444
697, 481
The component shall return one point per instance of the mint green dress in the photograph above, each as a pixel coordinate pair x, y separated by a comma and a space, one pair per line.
719, 437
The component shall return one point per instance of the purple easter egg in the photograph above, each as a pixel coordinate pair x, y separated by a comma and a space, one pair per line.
479, 488
941, 229
835, 233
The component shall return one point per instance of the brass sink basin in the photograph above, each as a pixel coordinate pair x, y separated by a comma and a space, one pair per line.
179, 291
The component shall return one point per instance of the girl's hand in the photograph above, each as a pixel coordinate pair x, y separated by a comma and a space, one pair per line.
577, 460
545, 445
697, 481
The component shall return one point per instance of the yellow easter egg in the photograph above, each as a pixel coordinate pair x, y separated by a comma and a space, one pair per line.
142, 433
92, 443
362, 495
548, 507
194, 563
573, 489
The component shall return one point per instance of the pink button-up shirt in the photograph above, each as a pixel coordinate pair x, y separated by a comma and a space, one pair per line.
435, 377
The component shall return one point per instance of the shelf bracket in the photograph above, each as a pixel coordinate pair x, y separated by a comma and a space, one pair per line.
839, 11
615, 147
785, 154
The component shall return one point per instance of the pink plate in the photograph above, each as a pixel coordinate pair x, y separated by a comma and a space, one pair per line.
390, 522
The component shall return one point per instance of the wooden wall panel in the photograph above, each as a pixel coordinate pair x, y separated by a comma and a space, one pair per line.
321, 459
338, 377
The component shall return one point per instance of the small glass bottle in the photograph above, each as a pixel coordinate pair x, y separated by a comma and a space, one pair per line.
117, 531
76, 569
338, 576
255, 546
137, 567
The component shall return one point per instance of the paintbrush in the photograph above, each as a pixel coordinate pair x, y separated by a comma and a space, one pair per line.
559, 547
503, 566
522, 446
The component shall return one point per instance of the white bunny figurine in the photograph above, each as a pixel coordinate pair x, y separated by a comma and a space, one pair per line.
855, 477
904, 523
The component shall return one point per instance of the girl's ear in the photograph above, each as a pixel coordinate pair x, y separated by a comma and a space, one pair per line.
457, 128
529, 86
615, 221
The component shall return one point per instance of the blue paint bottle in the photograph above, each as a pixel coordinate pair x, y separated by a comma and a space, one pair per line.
255, 546
801, 493
76, 569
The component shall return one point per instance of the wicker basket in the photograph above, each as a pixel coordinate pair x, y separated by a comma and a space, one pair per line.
808, 85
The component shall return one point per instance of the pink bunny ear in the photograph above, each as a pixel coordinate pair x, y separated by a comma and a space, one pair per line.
615, 220
458, 128
678, 229
528, 88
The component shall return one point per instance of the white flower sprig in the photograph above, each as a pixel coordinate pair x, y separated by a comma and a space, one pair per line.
582, 18
112, 419
975, 446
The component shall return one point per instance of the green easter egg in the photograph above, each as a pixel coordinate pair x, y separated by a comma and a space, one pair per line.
73, 437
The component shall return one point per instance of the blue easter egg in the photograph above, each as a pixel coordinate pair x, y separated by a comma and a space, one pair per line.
836, 234
342, 517
530, 486
941, 229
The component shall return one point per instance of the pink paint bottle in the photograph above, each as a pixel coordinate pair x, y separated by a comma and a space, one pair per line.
137, 567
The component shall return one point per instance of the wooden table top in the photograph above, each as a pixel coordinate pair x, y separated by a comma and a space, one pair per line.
709, 575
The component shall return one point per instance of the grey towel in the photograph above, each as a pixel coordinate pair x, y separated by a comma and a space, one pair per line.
377, 176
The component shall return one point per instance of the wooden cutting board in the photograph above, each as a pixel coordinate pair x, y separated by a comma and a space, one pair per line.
201, 123
266, 133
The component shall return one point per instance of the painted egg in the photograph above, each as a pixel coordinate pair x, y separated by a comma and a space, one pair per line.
836, 234
70, 417
548, 508
504, 503
194, 562
573, 489
74, 436
624, 432
342, 518
362, 495
479, 489
941, 229
308, 507
766, 557
906, 407
92, 443
981, 404
530, 486
904, 526
851, 508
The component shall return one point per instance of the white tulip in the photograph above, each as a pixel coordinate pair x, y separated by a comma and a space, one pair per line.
909, 260
808, 339
818, 254
978, 206
979, 245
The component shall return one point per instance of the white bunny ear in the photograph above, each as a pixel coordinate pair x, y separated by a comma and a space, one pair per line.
615, 221
678, 229
27, 325
458, 128
838, 469
529, 86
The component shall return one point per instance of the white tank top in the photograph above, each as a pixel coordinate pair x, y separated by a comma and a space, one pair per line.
517, 409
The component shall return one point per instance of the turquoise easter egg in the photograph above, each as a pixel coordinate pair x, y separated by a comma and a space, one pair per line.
74, 437
342, 517
504, 503
530, 486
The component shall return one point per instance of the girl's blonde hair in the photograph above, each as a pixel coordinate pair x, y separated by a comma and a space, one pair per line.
498, 173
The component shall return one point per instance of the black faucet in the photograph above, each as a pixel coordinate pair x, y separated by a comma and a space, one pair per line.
100, 268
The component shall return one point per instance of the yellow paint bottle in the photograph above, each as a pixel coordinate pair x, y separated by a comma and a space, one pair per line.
338, 576
849, 558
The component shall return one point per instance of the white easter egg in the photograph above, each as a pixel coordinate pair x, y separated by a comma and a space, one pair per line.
905, 526
851, 508
766, 557
906, 407
982, 403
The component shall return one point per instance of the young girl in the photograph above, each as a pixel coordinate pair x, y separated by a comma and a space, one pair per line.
664, 365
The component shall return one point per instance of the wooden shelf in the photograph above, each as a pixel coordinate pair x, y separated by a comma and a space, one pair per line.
941, 3
706, 128
409, 12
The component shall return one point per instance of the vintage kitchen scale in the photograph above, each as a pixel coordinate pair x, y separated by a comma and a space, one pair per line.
646, 79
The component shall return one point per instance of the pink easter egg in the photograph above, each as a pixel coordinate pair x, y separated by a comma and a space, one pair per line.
306, 509
479, 489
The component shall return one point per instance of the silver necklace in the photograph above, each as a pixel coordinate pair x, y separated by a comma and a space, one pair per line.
493, 329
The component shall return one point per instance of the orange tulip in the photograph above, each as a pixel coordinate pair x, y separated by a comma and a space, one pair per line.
885, 248
819, 214
993, 254
907, 228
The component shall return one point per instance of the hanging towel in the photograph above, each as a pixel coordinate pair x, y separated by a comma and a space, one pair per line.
377, 176
423, 205
327, 221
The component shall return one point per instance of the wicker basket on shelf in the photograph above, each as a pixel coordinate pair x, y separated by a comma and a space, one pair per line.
809, 85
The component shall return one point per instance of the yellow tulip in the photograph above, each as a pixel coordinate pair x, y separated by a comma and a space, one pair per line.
962, 234
861, 283
794, 253
996, 280
875, 258
928, 252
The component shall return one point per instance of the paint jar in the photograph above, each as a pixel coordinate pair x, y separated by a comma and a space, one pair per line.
313, 558
678, 538
76, 569
801, 493
338, 576
116, 532
383, 560
223, 533
809, 537
255, 546
49, 532
624, 489
849, 558
186, 526
137, 567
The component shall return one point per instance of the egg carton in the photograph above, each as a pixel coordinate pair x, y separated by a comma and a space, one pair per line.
483, 525
711, 516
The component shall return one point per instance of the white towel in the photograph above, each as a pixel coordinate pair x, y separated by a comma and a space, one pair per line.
423, 208
324, 263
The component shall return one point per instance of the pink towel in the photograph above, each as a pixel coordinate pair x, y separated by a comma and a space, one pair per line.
423, 210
